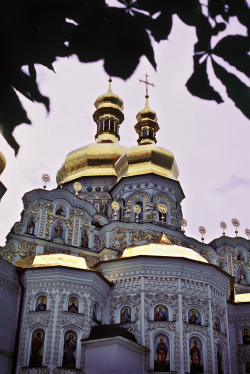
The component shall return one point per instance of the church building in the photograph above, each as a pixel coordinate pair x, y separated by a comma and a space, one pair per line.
98, 276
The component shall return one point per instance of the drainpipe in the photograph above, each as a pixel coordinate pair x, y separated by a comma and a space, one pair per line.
15, 353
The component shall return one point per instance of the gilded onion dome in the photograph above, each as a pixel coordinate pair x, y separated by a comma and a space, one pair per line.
2, 163
162, 247
98, 158
147, 157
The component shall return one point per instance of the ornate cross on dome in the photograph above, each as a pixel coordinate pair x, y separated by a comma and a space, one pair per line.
147, 83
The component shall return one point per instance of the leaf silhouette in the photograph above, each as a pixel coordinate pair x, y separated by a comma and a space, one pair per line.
199, 85
236, 89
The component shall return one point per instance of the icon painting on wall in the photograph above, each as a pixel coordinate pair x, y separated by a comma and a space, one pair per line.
125, 314
246, 336
73, 305
194, 317
219, 360
69, 350
36, 352
162, 353
41, 304
160, 313
196, 361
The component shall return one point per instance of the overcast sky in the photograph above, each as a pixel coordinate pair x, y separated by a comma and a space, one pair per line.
210, 141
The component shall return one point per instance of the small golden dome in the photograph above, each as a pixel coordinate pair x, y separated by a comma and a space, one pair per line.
145, 159
2, 163
162, 247
91, 160
58, 259
98, 158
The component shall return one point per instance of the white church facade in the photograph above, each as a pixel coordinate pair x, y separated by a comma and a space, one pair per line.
98, 277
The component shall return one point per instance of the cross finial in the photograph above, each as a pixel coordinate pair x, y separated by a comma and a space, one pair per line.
146, 83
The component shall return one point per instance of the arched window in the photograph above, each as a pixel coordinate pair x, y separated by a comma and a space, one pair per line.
161, 353
125, 314
219, 358
106, 124
112, 124
145, 131
217, 324
41, 303
37, 347
151, 133
69, 350
194, 317
160, 313
101, 124
196, 356
116, 127
73, 305
30, 230
245, 337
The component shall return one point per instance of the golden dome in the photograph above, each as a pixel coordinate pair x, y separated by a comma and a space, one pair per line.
91, 160
2, 163
98, 158
145, 159
162, 247
58, 259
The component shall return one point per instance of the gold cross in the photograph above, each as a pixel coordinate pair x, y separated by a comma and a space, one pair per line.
147, 83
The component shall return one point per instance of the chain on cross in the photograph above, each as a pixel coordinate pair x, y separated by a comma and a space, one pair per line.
147, 83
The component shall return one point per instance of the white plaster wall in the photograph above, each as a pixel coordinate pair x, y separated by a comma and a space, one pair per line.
112, 359
9, 301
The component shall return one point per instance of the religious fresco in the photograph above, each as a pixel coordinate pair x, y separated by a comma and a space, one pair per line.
58, 232
41, 303
219, 358
60, 211
240, 256
104, 208
69, 350
241, 276
125, 314
36, 351
30, 227
84, 239
196, 357
161, 353
217, 324
247, 367
73, 305
194, 317
160, 313
245, 336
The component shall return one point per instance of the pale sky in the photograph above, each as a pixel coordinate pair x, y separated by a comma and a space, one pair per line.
210, 141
